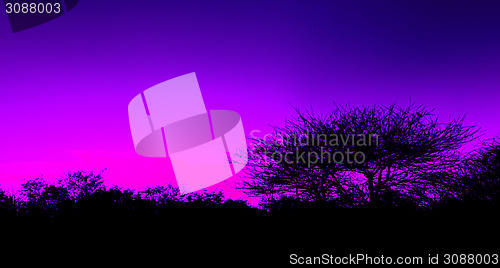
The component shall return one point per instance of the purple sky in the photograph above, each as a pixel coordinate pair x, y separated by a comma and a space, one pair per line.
66, 84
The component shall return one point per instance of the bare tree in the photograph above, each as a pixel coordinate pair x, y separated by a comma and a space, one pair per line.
286, 164
357, 155
413, 147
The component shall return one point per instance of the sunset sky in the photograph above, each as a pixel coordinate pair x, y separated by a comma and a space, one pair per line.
66, 84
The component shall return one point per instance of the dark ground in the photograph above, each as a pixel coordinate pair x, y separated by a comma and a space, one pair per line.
232, 233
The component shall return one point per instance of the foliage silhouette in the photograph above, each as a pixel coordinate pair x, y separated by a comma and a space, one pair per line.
81, 184
479, 174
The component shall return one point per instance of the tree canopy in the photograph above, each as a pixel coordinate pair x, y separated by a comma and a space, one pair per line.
357, 155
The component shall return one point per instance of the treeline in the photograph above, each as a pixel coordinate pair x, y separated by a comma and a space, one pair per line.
80, 196
415, 191
416, 164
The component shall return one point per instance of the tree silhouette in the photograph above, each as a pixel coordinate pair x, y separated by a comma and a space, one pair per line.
8, 205
407, 155
41, 198
479, 174
161, 194
414, 149
277, 168
82, 184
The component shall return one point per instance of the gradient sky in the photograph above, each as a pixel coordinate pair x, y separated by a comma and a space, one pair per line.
66, 84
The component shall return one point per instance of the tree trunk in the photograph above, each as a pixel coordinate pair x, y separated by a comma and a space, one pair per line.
372, 194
